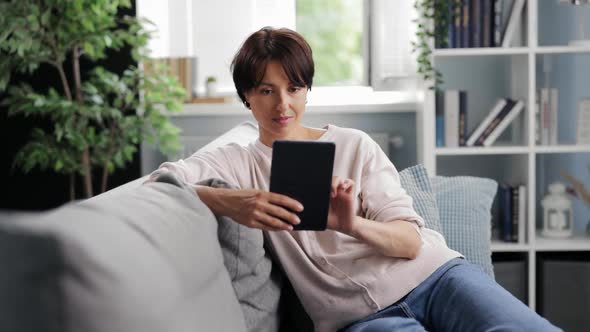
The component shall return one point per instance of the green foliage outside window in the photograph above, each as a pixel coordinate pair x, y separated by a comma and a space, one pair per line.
334, 30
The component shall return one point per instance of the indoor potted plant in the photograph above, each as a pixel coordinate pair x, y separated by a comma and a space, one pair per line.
210, 86
98, 118
433, 23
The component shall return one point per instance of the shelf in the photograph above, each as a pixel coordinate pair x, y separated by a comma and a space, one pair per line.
572, 148
561, 49
579, 242
478, 150
458, 52
500, 246
344, 100
452, 52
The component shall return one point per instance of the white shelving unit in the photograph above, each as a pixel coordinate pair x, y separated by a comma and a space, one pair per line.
487, 74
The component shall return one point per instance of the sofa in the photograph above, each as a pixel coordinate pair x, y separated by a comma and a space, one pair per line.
152, 257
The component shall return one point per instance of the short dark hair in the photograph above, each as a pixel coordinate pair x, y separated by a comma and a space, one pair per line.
268, 44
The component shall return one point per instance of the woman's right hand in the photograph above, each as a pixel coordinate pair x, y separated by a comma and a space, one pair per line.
253, 208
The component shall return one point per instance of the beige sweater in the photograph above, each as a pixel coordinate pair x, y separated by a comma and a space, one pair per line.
338, 279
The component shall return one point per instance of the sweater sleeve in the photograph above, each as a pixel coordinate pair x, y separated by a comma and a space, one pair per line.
381, 194
204, 165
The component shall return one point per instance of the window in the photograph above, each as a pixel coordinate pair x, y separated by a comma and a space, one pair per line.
360, 42
334, 30
355, 42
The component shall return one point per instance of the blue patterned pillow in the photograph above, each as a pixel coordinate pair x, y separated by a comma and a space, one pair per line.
417, 184
464, 204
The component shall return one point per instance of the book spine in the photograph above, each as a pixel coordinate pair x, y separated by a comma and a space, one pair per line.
544, 116
522, 214
537, 119
507, 120
505, 208
451, 16
486, 23
497, 23
452, 118
462, 118
476, 23
515, 213
513, 23
438, 42
458, 18
553, 116
583, 132
465, 25
498, 106
440, 118
495, 122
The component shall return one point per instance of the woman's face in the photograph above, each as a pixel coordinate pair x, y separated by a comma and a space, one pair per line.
278, 105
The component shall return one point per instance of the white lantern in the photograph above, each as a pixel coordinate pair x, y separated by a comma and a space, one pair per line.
557, 212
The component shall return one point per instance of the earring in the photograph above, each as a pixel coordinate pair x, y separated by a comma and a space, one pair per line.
306, 101
247, 104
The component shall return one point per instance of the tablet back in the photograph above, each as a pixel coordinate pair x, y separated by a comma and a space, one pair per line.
303, 170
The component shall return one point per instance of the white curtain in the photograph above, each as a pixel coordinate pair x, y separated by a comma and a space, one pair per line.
393, 65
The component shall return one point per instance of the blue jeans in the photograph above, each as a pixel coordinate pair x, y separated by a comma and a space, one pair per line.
458, 296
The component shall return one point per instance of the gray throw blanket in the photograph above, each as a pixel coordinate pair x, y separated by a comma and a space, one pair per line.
256, 281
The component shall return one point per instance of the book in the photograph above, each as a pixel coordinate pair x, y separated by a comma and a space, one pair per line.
457, 19
510, 116
537, 119
544, 117
497, 23
451, 106
476, 23
495, 122
553, 118
487, 20
451, 17
583, 128
462, 118
498, 106
440, 118
522, 214
505, 212
465, 24
513, 23
515, 213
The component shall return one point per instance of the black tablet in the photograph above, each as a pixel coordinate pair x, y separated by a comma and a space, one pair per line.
302, 170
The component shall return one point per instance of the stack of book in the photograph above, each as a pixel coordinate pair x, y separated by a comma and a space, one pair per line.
510, 224
502, 114
451, 120
482, 23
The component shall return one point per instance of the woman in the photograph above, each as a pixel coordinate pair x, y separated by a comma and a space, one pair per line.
377, 267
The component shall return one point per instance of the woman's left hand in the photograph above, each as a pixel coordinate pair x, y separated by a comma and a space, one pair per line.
341, 216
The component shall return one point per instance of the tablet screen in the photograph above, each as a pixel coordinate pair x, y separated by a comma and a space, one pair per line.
302, 170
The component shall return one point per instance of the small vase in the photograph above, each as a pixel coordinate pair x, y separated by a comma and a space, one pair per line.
211, 89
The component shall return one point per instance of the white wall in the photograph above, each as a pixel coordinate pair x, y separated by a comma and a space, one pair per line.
221, 26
